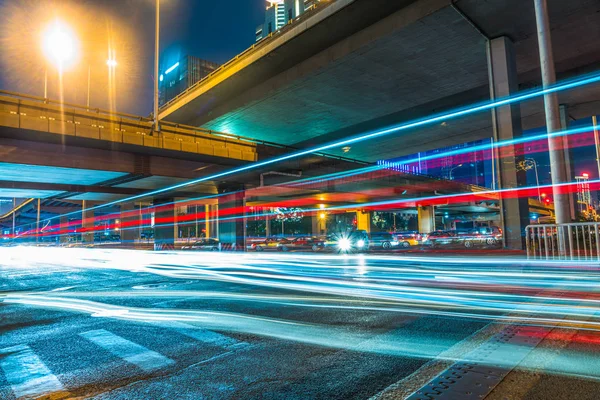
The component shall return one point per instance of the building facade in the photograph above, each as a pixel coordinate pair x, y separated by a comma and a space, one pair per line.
281, 12
176, 78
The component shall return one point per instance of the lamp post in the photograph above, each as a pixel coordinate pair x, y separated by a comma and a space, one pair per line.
111, 63
452, 170
597, 142
526, 165
156, 50
59, 46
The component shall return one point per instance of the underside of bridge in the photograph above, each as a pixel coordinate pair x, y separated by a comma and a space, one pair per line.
412, 59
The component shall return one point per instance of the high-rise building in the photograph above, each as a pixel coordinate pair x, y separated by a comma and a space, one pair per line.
279, 13
177, 77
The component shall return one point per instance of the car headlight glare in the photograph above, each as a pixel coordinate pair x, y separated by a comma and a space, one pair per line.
360, 243
344, 244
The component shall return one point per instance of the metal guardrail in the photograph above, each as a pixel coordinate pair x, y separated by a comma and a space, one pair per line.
38, 114
574, 241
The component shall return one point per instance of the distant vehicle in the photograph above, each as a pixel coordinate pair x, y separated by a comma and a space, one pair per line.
483, 236
267, 244
208, 244
382, 240
301, 243
355, 241
437, 239
408, 238
147, 235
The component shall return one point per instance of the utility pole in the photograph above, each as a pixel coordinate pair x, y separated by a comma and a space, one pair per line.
89, 83
557, 159
156, 50
46, 83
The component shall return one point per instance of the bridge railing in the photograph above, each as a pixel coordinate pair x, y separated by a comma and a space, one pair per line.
51, 116
574, 241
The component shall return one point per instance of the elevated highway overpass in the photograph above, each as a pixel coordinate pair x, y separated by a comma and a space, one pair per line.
352, 66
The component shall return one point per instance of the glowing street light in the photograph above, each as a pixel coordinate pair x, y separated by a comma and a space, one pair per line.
59, 44
111, 63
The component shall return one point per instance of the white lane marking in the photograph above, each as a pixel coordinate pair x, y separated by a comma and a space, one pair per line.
134, 353
203, 335
27, 375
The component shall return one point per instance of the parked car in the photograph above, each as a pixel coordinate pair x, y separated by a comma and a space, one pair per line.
437, 239
301, 243
482, 236
267, 244
107, 237
208, 244
408, 239
382, 241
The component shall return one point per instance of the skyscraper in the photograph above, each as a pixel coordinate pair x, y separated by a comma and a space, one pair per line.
279, 13
176, 78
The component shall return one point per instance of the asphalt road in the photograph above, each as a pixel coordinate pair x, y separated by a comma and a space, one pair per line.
134, 325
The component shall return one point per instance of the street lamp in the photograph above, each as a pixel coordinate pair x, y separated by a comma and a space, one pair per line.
530, 163
452, 170
111, 63
156, 50
59, 45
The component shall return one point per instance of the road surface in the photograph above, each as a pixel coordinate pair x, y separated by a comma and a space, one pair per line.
121, 324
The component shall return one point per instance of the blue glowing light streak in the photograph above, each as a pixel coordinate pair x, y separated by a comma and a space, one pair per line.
500, 290
486, 106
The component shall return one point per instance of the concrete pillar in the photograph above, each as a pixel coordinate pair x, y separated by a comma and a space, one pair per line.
130, 223
208, 231
164, 224
557, 155
426, 219
507, 126
87, 223
64, 228
212, 220
363, 220
564, 125
319, 224
232, 217
268, 224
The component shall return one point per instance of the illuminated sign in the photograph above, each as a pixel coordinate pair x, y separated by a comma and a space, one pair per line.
172, 68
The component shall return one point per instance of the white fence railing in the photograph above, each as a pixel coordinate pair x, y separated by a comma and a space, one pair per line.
575, 241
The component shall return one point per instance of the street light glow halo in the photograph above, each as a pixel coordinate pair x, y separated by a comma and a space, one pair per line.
60, 44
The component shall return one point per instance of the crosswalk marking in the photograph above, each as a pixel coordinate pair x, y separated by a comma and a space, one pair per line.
26, 373
203, 335
134, 353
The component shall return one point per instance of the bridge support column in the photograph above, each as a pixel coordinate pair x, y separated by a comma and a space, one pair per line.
564, 125
232, 218
319, 224
87, 223
130, 224
64, 228
212, 220
268, 224
165, 225
562, 207
363, 220
507, 126
426, 219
